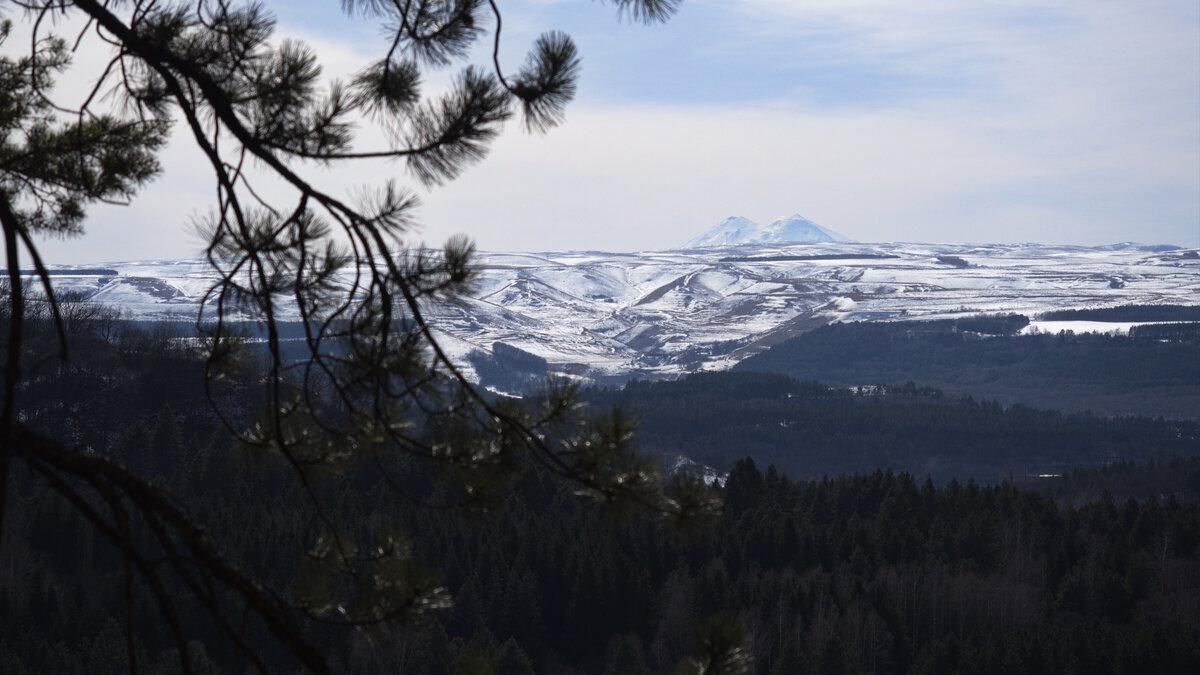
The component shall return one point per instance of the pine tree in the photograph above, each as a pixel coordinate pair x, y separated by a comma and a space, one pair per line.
373, 387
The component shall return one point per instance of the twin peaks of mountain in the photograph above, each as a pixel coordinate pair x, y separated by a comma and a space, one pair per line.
794, 229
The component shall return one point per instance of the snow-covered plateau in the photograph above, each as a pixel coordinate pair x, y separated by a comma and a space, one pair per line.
612, 315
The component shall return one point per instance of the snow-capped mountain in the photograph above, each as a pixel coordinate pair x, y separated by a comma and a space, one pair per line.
616, 315
796, 229
793, 229
729, 232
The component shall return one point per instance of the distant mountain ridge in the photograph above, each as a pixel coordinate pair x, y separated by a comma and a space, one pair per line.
610, 316
793, 229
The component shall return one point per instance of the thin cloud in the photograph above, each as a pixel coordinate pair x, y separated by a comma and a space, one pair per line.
934, 120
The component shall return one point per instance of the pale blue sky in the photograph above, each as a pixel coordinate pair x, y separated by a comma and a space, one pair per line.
1057, 121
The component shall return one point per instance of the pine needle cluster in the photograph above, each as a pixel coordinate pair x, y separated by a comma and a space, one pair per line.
369, 384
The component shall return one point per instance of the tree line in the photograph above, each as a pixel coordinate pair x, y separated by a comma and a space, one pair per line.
876, 571
1153, 372
809, 430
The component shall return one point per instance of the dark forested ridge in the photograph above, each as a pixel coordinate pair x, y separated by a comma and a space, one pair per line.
1127, 313
1154, 371
880, 570
873, 573
809, 430
879, 573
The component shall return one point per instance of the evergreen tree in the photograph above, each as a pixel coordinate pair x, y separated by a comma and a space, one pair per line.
373, 387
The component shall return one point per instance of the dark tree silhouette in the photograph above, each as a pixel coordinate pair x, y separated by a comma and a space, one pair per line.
372, 386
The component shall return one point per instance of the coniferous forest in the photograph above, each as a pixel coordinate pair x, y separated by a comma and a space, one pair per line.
1153, 370
809, 430
860, 570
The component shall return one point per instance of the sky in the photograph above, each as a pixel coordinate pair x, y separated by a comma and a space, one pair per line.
990, 121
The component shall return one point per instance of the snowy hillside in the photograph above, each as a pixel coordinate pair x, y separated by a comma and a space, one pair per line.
793, 229
602, 315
